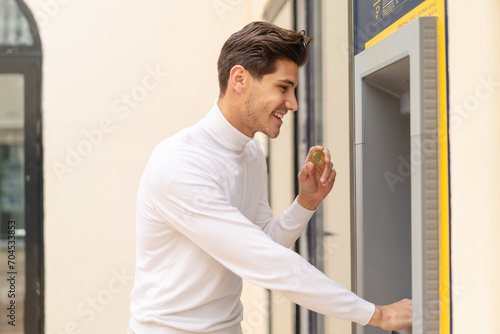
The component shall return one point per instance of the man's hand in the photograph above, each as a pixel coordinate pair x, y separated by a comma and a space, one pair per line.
315, 181
394, 316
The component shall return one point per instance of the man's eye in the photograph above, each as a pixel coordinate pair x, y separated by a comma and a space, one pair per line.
284, 88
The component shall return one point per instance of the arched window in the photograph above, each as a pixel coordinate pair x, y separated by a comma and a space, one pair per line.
21, 192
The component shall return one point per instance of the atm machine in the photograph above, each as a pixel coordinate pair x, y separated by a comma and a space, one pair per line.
396, 173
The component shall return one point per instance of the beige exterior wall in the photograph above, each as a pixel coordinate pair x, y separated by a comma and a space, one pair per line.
118, 77
474, 93
336, 137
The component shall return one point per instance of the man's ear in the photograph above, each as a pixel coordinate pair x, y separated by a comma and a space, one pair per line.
238, 78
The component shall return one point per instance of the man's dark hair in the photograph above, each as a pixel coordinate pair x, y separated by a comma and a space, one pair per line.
257, 47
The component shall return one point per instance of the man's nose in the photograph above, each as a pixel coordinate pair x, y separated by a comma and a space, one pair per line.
291, 103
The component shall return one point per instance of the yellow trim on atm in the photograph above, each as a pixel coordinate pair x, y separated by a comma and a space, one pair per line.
445, 279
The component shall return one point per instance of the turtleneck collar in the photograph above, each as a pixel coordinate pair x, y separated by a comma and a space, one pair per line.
228, 135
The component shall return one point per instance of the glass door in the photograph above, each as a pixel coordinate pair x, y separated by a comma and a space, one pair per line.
12, 203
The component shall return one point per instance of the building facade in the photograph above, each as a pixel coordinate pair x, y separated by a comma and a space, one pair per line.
88, 88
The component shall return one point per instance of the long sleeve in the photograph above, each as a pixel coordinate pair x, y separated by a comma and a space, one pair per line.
193, 202
285, 228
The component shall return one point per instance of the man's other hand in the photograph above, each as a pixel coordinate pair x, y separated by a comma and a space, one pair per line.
394, 316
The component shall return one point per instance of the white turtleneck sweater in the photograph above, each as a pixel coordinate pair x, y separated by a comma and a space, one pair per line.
203, 222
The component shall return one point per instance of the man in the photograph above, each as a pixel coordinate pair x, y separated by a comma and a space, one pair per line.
203, 219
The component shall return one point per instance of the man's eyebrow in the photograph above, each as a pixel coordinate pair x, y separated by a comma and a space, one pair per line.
288, 82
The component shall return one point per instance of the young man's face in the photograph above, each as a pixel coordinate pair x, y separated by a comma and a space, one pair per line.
269, 100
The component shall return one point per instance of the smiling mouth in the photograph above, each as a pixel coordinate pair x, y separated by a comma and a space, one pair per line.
277, 114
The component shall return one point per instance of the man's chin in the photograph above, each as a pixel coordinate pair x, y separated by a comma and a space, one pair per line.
273, 134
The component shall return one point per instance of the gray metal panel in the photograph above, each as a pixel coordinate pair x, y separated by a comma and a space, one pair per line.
418, 41
428, 147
